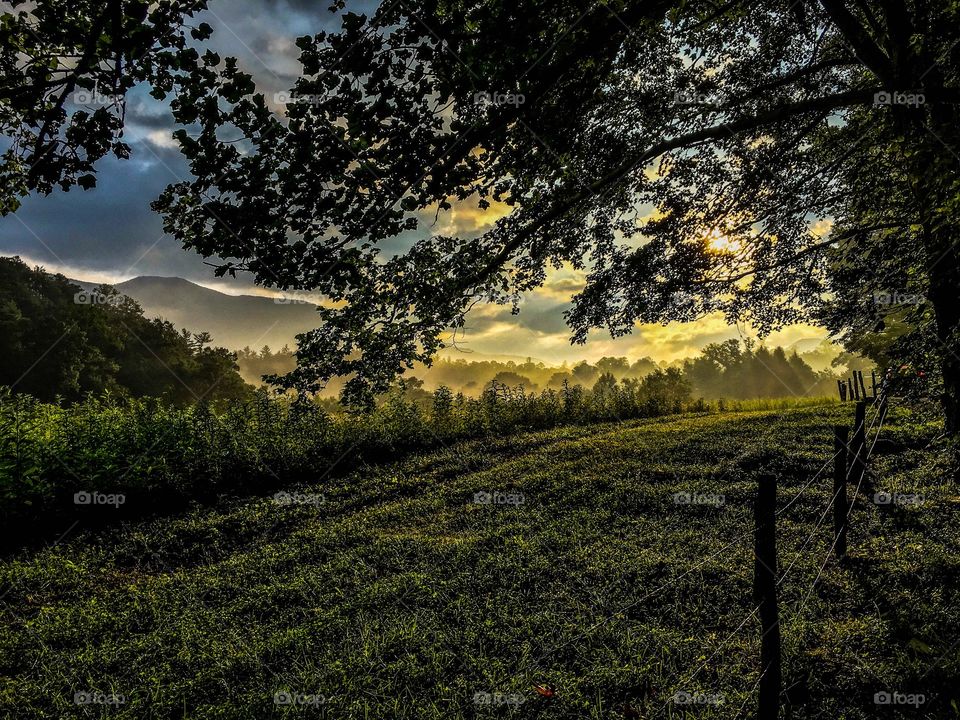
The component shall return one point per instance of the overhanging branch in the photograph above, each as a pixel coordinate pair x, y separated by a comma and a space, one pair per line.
779, 114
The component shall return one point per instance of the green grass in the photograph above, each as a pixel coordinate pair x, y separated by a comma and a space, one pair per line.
399, 597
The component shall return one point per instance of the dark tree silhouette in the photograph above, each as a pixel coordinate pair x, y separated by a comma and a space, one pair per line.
678, 151
65, 69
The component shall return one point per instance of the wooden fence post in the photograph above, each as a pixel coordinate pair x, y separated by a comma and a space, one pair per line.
765, 594
841, 436
863, 388
843, 390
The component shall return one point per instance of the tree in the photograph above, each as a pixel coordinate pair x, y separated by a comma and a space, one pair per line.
604, 391
65, 69
725, 355
58, 340
513, 380
727, 370
584, 373
740, 126
616, 366
665, 391
200, 340
883, 312
642, 367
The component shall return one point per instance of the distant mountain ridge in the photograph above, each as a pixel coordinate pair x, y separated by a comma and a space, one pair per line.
237, 321
234, 321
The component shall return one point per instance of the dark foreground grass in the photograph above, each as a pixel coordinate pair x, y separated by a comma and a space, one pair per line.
402, 597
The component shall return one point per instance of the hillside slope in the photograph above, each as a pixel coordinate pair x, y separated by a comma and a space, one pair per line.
397, 595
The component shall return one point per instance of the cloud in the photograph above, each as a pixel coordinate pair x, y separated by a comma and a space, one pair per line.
162, 139
144, 115
464, 218
540, 330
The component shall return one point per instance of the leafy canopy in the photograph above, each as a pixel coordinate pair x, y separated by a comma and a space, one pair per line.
679, 153
65, 69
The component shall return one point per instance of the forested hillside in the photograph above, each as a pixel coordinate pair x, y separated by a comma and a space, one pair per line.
60, 340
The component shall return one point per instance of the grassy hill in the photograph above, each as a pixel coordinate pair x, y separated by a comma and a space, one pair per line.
393, 594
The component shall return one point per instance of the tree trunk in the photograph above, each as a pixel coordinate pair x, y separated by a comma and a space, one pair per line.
941, 235
944, 275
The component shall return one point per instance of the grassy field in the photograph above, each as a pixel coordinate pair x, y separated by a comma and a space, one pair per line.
393, 593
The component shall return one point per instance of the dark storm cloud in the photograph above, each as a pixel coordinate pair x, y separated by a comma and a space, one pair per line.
148, 115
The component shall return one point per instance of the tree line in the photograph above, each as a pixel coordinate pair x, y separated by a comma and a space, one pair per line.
733, 369
59, 340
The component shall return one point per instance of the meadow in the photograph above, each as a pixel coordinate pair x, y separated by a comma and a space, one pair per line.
546, 574
560, 290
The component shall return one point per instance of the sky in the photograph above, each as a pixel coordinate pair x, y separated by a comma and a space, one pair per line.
110, 234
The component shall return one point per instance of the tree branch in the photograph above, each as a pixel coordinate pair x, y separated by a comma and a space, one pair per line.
786, 262
83, 66
779, 114
863, 45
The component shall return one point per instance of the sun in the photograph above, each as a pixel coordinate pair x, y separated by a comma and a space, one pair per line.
719, 242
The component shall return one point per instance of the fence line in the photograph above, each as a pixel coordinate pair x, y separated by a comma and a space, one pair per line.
848, 458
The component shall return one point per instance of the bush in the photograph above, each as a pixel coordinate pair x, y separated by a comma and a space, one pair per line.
162, 457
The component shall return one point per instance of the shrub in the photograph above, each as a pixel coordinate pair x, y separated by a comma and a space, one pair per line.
163, 457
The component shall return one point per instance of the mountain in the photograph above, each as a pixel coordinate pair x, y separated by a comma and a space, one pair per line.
234, 321
237, 321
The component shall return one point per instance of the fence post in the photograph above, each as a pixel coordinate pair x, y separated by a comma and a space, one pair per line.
765, 593
863, 388
873, 383
843, 390
841, 436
